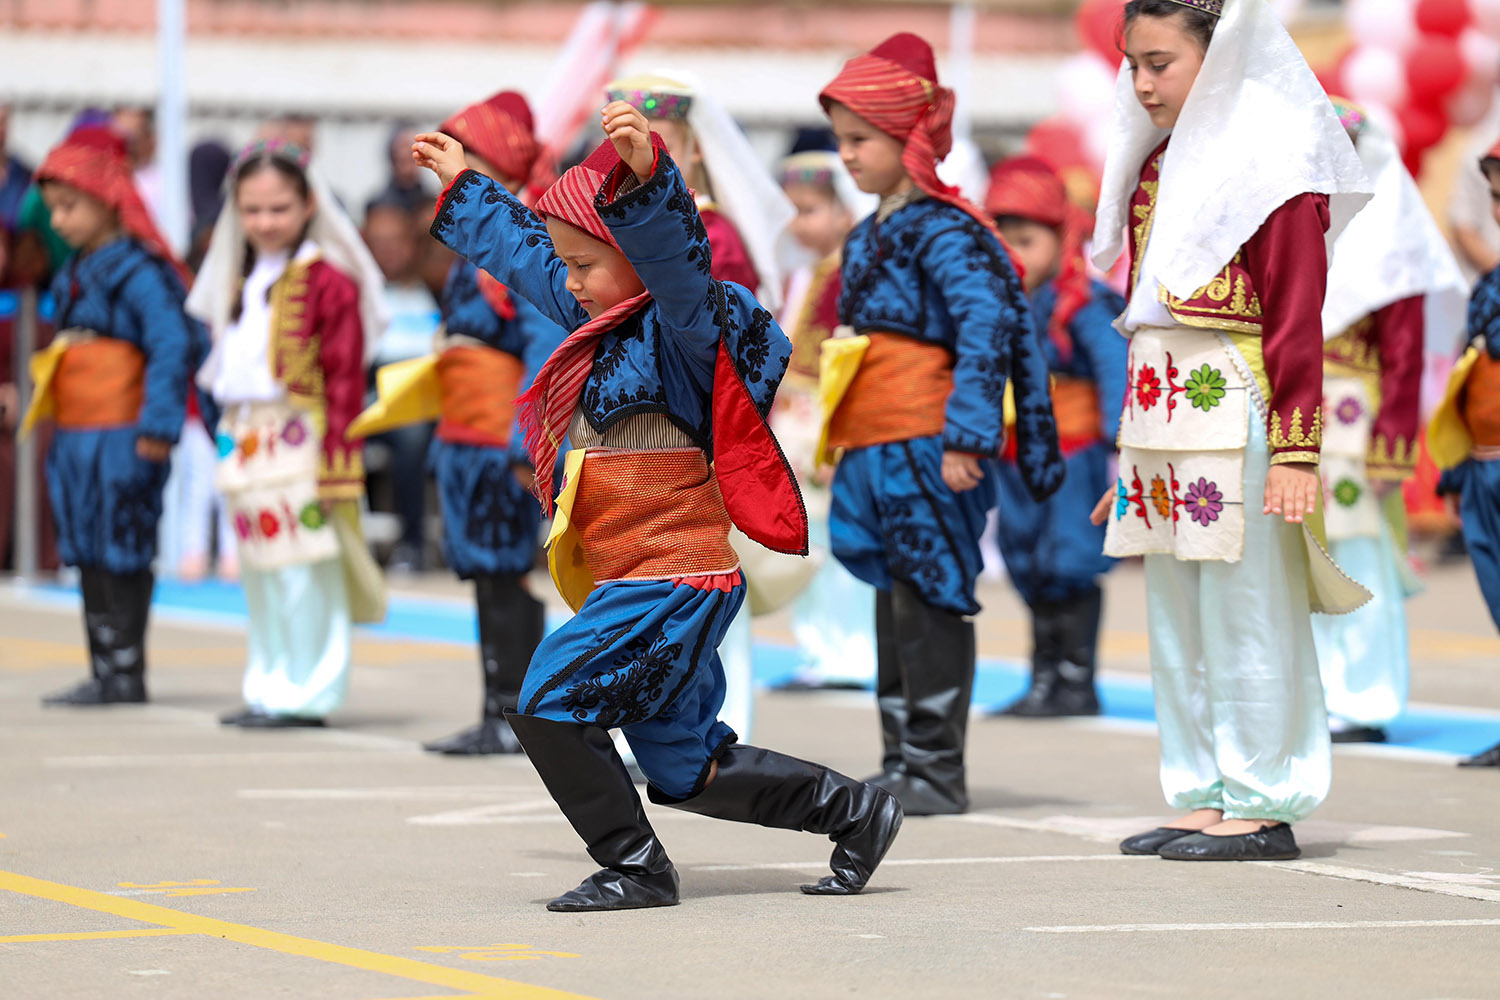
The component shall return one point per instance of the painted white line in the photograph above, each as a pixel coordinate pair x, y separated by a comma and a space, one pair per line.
1267, 925
398, 793
1107, 829
914, 862
1407, 880
525, 811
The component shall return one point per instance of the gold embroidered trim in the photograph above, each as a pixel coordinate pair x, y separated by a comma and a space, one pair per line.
1391, 462
1144, 214
807, 337
1294, 436
1290, 457
296, 360
1353, 349
1240, 306
342, 466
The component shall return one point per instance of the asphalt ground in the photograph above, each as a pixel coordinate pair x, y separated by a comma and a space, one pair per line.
149, 852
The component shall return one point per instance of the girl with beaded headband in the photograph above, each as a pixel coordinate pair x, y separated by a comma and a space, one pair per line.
292, 299
665, 367
115, 381
1395, 293
487, 351
833, 618
1230, 173
913, 409
1054, 561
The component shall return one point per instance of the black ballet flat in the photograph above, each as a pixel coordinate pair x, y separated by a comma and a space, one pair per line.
1358, 734
1152, 840
263, 721
1488, 758
1270, 843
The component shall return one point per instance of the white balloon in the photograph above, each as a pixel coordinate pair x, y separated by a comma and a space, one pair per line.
1469, 106
1086, 88
1385, 119
1387, 24
1487, 16
1481, 55
1376, 76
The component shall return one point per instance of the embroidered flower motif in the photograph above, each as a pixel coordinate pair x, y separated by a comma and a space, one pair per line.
312, 516
295, 432
1122, 499
1159, 497
1205, 387
225, 444
1347, 492
1147, 387
243, 526
1204, 501
249, 446
269, 525
1348, 410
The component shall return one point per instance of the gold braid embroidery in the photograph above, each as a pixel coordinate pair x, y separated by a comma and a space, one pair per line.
1294, 437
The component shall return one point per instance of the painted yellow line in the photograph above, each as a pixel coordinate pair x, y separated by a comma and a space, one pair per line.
93, 935
287, 944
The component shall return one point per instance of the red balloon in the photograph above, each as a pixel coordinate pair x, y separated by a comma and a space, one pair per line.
1098, 23
1434, 69
1332, 75
1443, 17
1423, 128
1059, 143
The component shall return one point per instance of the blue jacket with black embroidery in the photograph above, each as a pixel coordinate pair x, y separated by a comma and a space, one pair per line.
932, 272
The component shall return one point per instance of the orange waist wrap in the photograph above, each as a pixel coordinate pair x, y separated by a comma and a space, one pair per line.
1075, 404
1481, 405
479, 386
652, 515
99, 383
900, 392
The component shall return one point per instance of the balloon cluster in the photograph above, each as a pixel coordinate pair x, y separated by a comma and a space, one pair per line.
1417, 66
1420, 66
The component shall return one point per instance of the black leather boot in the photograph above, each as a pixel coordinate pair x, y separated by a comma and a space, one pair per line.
511, 625
754, 785
890, 698
1046, 654
1485, 758
587, 780
1079, 630
937, 672
116, 610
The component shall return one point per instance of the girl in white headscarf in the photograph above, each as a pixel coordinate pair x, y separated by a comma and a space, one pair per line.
1230, 171
292, 299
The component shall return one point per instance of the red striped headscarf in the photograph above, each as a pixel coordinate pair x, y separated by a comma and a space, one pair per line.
1025, 187
545, 410
499, 129
93, 160
894, 87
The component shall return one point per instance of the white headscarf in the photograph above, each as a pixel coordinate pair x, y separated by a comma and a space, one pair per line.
1256, 131
338, 241
743, 188
1393, 250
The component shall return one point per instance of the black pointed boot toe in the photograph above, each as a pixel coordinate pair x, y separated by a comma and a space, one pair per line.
588, 781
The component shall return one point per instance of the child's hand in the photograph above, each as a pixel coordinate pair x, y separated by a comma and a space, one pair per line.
442, 154
153, 449
961, 472
628, 129
1100, 513
1292, 490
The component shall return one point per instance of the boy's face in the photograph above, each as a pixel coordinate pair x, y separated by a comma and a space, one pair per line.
83, 221
1492, 176
872, 157
599, 276
1037, 247
821, 222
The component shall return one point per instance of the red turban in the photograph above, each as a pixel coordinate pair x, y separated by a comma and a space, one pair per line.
571, 199
1025, 187
94, 161
500, 130
894, 87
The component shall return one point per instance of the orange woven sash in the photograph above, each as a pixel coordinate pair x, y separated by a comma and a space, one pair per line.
900, 392
99, 383
652, 515
1075, 405
478, 386
1481, 405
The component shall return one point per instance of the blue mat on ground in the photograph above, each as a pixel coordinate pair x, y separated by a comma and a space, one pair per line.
998, 681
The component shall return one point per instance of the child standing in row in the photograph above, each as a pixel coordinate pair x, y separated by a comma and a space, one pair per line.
665, 368
1052, 557
914, 402
1465, 436
293, 300
115, 379
1225, 160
